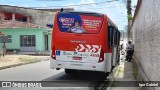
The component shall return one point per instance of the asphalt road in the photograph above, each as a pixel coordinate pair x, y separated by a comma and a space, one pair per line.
41, 71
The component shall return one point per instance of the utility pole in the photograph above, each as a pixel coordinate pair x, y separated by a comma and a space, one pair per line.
129, 9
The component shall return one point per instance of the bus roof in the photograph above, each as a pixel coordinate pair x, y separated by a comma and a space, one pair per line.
112, 22
88, 13
83, 12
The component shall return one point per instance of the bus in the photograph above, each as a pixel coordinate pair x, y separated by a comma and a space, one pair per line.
84, 41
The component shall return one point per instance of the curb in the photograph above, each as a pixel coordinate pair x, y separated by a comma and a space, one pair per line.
112, 77
141, 72
19, 64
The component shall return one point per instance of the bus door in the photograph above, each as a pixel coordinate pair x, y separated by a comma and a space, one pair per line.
110, 44
118, 42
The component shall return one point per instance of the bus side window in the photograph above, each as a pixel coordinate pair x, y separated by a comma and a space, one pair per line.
115, 36
119, 35
110, 36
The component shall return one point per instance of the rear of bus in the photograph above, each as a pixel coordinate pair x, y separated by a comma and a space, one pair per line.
79, 41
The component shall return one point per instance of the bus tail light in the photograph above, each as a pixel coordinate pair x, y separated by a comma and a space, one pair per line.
53, 53
101, 58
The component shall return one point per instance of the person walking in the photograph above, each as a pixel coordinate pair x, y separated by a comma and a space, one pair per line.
4, 49
129, 51
122, 51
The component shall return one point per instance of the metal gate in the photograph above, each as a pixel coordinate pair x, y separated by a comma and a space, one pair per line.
27, 43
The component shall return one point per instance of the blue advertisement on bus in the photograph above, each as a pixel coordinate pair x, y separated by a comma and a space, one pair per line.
74, 23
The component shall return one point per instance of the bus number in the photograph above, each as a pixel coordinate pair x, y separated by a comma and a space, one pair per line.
94, 55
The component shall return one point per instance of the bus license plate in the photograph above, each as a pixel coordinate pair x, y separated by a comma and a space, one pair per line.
77, 58
76, 64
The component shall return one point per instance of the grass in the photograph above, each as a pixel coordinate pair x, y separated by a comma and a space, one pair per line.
135, 71
118, 71
136, 74
113, 84
27, 59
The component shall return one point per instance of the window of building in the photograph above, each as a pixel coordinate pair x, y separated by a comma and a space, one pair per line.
27, 41
7, 16
6, 39
22, 19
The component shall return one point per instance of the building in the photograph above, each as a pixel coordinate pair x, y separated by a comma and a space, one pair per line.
25, 29
146, 38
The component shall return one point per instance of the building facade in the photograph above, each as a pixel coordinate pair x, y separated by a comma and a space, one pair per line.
146, 37
26, 39
25, 29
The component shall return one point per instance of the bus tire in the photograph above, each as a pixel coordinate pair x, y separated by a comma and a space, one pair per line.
70, 71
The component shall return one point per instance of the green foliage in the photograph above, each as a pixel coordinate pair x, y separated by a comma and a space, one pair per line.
135, 71
130, 17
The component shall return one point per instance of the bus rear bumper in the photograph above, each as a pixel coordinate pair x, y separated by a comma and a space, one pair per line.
78, 66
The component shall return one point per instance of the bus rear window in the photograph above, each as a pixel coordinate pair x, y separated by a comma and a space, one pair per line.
75, 23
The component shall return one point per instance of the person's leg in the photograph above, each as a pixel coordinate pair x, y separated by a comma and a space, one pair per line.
3, 52
121, 57
130, 56
127, 56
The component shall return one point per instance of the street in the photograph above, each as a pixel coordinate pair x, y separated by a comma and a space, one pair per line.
30, 72
118, 38
41, 71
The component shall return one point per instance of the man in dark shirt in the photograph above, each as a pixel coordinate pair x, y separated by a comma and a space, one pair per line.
129, 50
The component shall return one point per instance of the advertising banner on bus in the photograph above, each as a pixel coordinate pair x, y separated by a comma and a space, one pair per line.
74, 23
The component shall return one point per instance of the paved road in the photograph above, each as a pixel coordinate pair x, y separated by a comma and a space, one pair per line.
41, 71
30, 72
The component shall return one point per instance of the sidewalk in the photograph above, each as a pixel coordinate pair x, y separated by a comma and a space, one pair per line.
124, 72
15, 60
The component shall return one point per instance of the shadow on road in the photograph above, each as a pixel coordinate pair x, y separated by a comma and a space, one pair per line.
79, 76
80, 79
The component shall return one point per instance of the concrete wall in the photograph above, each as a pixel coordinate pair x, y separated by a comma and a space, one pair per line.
38, 17
146, 37
1, 16
16, 32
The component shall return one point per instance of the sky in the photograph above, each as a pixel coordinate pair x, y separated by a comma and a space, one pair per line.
115, 9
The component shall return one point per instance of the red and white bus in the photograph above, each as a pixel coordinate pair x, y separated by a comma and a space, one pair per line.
84, 41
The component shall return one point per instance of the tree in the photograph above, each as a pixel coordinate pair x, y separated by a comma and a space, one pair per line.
130, 17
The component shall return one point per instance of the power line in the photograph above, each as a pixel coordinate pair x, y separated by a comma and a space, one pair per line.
102, 7
122, 11
79, 4
120, 18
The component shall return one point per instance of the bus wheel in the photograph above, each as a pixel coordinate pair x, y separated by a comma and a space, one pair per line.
70, 71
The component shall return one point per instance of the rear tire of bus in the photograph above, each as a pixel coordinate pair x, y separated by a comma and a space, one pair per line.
70, 71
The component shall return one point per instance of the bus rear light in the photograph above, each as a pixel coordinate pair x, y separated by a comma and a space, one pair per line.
101, 58
53, 53
54, 57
